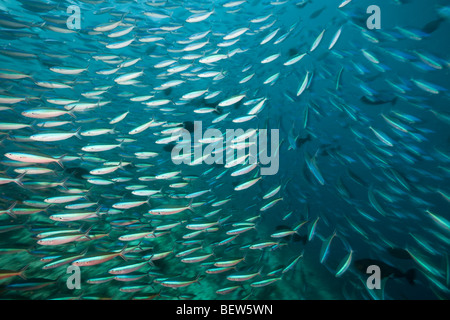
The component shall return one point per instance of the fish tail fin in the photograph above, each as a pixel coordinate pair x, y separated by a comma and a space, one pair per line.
123, 251
85, 197
198, 278
63, 183
148, 201
30, 249
97, 211
9, 212
22, 271
18, 180
257, 222
190, 206
245, 256
86, 234
59, 161
150, 262
410, 275
19, 183
260, 270
109, 234
122, 17
77, 134
70, 113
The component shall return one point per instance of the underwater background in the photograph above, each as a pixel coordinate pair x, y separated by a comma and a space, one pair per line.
94, 99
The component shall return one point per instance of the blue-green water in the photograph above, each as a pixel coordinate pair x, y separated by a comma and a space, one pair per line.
93, 101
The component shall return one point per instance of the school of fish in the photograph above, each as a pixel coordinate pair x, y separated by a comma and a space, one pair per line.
89, 117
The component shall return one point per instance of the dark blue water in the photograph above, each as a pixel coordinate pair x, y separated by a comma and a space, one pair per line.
371, 121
